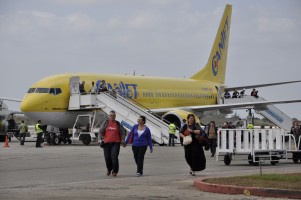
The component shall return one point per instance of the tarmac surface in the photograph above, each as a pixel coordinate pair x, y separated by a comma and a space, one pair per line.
78, 172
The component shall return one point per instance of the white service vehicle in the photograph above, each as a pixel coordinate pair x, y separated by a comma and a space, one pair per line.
86, 127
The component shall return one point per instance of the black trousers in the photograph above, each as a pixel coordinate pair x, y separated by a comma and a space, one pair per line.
139, 153
39, 139
213, 144
111, 153
181, 141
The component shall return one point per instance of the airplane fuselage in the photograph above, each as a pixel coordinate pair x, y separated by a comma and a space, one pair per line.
48, 98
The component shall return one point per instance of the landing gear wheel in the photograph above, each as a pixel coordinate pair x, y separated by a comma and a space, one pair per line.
256, 163
275, 160
295, 157
227, 159
56, 140
86, 139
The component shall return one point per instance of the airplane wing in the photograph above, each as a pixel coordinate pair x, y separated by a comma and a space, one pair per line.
259, 85
245, 105
10, 99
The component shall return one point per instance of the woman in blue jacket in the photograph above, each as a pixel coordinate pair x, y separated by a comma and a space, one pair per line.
140, 137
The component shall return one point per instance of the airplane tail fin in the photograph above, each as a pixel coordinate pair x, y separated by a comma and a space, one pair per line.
215, 69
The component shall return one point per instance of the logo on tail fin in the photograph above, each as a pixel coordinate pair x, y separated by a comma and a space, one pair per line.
221, 45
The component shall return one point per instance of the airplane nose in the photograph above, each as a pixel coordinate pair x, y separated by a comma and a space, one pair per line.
26, 105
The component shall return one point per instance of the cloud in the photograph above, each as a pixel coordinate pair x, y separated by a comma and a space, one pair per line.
275, 25
81, 22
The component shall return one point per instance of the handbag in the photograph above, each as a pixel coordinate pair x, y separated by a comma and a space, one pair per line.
187, 140
131, 139
202, 139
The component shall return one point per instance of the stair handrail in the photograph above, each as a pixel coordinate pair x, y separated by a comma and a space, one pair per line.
135, 106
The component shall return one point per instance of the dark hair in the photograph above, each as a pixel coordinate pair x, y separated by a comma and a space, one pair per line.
143, 119
190, 115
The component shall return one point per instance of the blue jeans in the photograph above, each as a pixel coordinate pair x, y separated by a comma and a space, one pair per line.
22, 138
111, 153
171, 139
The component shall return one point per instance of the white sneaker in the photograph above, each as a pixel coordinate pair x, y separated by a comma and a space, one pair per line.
192, 173
138, 174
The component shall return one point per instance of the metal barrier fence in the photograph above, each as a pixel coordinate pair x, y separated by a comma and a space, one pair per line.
258, 144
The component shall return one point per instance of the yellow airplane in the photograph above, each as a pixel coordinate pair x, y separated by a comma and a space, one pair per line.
48, 98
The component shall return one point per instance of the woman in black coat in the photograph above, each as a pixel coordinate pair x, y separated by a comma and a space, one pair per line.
194, 153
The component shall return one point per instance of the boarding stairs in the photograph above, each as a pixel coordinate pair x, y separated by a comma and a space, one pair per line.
270, 112
127, 111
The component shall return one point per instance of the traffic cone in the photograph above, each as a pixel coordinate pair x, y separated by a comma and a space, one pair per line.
6, 142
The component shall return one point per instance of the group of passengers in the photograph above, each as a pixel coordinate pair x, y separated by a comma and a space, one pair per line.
102, 87
112, 135
240, 94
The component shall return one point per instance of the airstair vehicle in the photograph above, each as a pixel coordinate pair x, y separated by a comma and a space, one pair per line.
127, 112
270, 112
259, 144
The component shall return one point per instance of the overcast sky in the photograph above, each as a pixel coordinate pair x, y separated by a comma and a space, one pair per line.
166, 38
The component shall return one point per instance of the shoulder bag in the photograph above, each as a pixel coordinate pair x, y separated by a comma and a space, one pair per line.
187, 140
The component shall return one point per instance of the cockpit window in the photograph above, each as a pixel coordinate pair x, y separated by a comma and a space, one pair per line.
55, 91
52, 91
42, 90
58, 90
31, 90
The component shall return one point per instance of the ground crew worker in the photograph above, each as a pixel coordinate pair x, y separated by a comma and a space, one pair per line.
172, 132
3, 128
250, 126
39, 131
22, 132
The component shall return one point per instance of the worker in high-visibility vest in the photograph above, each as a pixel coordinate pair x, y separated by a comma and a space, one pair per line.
39, 131
250, 126
172, 133
22, 132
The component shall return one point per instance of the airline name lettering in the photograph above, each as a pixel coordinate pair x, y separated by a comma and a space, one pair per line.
221, 46
124, 89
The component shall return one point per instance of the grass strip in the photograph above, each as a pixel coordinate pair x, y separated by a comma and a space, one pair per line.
278, 181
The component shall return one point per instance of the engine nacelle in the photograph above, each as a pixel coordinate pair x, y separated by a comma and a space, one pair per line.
177, 116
